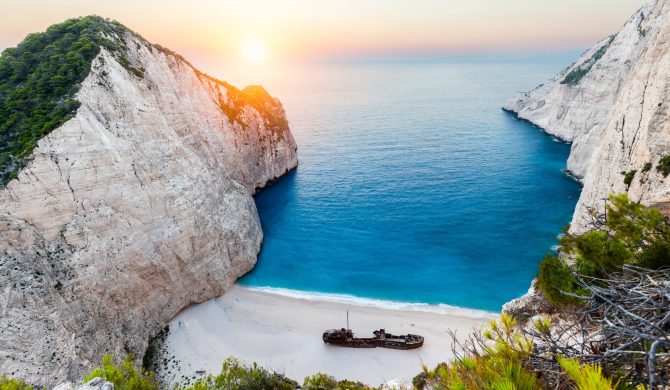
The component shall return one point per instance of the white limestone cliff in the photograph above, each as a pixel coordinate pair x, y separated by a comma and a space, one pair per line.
135, 208
613, 105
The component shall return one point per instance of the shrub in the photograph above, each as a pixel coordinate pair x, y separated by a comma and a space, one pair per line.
585, 377
597, 252
13, 384
323, 381
352, 385
235, 375
124, 376
493, 363
319, 381
628, 177
39, 79
656, 255
647, 167
631, 234
664, 166
578, 73
555, 279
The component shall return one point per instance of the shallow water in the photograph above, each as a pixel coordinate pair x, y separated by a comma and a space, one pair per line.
413, 185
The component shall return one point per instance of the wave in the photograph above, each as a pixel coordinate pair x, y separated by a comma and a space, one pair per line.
346, 299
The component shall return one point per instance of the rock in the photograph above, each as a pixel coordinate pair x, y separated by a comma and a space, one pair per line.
613, 104
64, 386
134, 209
94, 384
528, 305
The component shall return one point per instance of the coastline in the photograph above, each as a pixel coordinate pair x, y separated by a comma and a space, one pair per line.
281, 330
516, 116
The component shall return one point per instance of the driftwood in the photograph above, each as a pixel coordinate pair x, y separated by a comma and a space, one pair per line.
624, 325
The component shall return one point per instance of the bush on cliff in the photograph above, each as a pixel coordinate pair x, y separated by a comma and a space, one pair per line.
323, 381
38, 82
628, 233
585, 377
124, 376
628, 177
13, 384
235, 375
555, 279
576, 75
664, 166
504, 357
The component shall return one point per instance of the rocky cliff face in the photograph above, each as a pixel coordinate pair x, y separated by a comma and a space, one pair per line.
613, 105
135, 208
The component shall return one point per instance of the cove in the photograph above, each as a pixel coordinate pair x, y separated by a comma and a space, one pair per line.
413, 185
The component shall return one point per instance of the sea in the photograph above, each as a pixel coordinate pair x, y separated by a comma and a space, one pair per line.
413, 185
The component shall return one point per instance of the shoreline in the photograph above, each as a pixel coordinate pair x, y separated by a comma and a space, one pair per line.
440, 308
281, 330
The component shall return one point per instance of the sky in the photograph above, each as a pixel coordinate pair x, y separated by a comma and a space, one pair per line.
215, 32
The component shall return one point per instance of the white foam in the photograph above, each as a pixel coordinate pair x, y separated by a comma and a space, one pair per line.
377, 303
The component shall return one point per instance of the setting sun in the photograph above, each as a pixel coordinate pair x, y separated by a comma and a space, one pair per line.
254, 52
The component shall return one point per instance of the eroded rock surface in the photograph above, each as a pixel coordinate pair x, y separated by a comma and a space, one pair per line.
134, 209
613, 104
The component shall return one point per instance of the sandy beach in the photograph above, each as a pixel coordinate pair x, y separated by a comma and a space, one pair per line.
281, 330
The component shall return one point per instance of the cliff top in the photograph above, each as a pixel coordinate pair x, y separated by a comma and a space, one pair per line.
39, 80
40, 77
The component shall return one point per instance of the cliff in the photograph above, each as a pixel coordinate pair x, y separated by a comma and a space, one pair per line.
613, 105
137, 205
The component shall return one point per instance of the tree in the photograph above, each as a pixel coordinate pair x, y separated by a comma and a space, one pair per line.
628, 233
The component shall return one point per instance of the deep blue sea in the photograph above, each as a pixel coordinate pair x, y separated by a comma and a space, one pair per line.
412, 184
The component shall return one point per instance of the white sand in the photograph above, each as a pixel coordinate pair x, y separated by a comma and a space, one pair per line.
282, 331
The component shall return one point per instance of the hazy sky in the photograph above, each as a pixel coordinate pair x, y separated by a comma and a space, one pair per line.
218, 29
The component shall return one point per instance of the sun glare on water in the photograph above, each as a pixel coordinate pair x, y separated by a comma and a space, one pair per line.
254, 52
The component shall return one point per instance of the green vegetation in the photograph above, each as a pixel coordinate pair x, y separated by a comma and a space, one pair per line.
577, 74
640, 30
322, 381
554, 279
40, 77
647, 167
124, 376
664, 165
504, 356
235, 375
590, 295
628, 177
585, 377
258, 98
254, 95
13, 384
501, 360
495, 364
630, 234
613, 291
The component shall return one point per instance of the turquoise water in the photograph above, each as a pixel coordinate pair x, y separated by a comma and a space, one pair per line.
413, 185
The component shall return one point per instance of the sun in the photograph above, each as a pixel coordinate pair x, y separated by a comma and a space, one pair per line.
254, 52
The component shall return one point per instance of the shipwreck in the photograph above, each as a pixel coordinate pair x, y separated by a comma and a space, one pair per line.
344, 337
